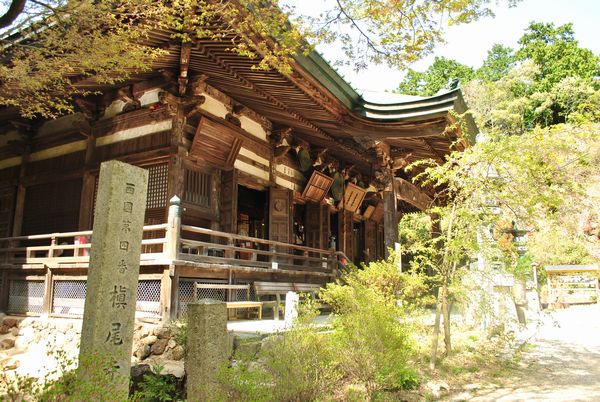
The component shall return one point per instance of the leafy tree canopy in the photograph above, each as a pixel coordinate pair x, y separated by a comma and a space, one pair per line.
553, 49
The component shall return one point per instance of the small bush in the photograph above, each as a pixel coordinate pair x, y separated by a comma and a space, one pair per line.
155, 387
296, 365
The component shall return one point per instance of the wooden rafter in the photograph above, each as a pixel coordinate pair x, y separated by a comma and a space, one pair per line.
434, 153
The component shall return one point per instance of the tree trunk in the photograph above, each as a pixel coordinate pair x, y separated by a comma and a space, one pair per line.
446, 312
436, 330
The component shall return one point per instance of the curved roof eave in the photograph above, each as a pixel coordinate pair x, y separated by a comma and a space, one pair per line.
388, 112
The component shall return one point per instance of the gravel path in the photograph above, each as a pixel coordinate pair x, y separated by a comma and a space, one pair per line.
562, 365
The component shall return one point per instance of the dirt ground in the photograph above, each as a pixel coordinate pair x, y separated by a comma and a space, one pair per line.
561, 363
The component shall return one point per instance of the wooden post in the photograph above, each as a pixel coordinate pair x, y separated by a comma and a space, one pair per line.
390, 221
48, 292
4, 291
20, 199
173, 235
170, 280
166, 285
174, 295
86, 205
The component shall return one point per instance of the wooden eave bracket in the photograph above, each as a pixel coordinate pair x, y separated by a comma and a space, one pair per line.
408, 192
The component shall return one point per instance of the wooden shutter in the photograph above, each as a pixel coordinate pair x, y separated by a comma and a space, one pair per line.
280, 214
316, 215
228, 205
197, 188
370, 241
317, 187
346, 232
216, 143
52, 207
353, 197
7, 204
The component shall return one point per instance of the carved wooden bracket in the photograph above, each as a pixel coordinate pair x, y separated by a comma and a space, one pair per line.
92, 110
126, 95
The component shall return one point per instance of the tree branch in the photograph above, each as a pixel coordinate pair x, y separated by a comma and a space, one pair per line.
16, 8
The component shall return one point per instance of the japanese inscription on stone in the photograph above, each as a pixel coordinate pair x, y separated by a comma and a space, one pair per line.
109, 313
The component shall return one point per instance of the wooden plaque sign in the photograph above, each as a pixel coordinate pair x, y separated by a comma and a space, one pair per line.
317, 187
353, 197
216, 144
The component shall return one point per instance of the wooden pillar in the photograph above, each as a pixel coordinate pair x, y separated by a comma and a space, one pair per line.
166, 290
390, 221
88, 186
21, 191
170, 279
48, 292
176, 167
173, 297
4, 290
173, 235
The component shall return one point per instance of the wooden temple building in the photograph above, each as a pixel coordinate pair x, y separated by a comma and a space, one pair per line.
280, 178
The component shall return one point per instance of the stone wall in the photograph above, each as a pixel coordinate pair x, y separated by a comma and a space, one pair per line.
28, 345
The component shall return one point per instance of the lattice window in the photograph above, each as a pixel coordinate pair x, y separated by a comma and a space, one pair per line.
148, 298
69, 297
197, 188
158, 180
186, 292
25, 296
242, 294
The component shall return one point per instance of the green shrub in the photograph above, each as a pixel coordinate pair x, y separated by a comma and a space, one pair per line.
369, 346
63, 383
155, 387
296, 365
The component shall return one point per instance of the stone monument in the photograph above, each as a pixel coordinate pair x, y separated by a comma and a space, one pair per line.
109, 314
207, 348
292, 299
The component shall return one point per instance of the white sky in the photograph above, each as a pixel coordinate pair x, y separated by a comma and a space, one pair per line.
469, 44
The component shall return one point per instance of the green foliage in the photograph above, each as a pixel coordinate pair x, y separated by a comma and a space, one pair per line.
556, 51
155, 387
368, 345
373, 343
64, 383
296, 365
435, 78
180, 327
499, 61
548, 80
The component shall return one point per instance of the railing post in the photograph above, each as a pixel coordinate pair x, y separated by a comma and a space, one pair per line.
230, 253
173, 235
52, 246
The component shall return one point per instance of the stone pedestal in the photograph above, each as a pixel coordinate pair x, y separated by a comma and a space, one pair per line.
291, 308
207, 348
108, 320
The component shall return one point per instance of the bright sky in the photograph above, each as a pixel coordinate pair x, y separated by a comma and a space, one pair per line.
469, 44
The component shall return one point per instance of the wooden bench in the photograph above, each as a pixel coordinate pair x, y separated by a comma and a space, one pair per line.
281, 288
233, 305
